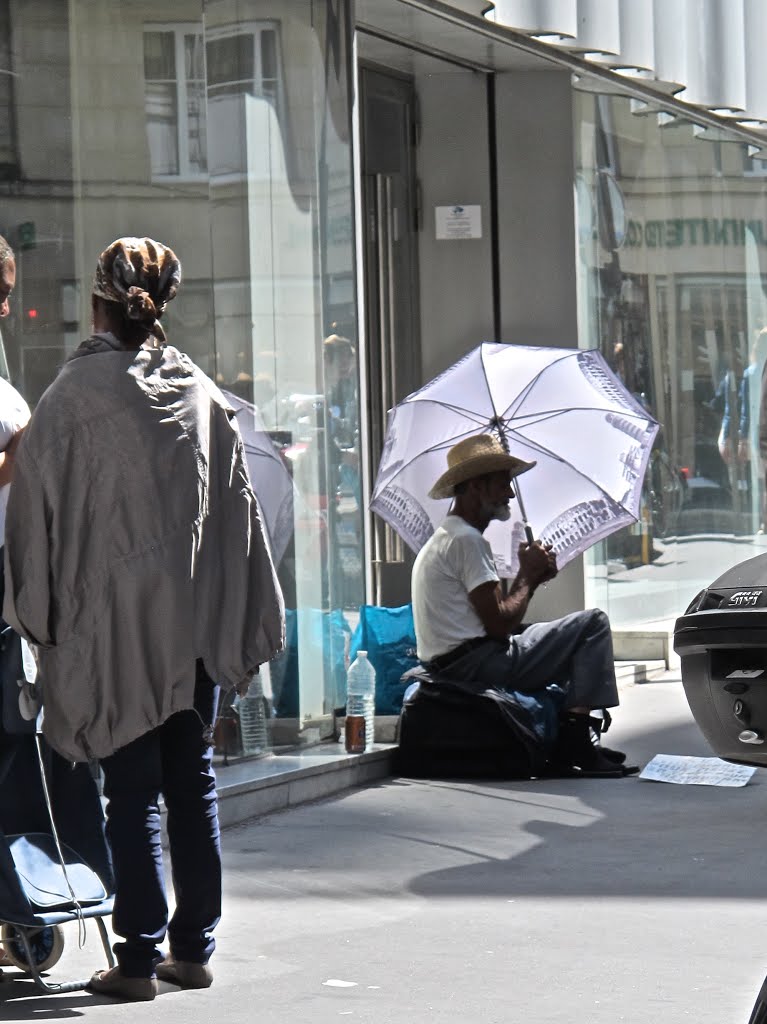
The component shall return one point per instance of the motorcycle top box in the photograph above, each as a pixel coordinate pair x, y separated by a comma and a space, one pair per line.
722, 642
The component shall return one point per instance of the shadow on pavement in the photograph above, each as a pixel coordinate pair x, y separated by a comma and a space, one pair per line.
625, 837
38, 1006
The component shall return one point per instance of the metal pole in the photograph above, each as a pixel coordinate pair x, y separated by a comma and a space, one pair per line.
528, 529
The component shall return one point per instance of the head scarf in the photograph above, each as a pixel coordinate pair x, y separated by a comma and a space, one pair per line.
142, 276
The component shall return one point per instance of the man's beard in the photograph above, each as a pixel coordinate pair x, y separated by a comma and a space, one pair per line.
501, 512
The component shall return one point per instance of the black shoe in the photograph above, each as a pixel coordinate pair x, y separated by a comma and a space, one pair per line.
616, 756
599, 725
575, 755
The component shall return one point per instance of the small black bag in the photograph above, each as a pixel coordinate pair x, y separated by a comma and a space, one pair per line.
20, 704
448, 730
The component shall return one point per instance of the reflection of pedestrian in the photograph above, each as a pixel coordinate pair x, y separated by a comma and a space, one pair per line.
618, 365
265, 399
341, 420
756, 426
342, 446
136, 561
340, 365
242, 386
725, 401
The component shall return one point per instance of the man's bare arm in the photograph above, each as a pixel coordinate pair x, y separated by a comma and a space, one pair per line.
8, 459
501, 616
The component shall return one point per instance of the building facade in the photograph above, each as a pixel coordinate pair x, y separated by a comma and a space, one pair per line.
303, 158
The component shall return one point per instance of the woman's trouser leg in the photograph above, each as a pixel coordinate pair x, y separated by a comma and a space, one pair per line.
132, 783
189, 789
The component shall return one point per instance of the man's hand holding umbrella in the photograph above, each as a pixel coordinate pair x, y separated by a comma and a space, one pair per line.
537, 562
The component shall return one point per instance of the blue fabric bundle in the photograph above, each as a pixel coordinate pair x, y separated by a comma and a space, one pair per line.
388, 635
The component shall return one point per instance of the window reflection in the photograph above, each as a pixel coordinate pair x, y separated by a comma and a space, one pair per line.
175, 103
227, 134
672, 233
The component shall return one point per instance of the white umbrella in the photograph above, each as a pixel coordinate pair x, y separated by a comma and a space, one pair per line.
563, 408
269, 477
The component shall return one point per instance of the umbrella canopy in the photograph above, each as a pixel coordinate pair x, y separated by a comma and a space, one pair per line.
563, 408
269, 477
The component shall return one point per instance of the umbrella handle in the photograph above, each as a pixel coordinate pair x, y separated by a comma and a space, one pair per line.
528, 528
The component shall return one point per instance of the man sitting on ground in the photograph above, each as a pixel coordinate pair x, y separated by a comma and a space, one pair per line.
468, 630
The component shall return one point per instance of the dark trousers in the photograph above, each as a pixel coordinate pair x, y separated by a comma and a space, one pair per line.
174, 760
575, 651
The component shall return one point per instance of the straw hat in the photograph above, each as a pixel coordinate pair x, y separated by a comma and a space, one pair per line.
474, 457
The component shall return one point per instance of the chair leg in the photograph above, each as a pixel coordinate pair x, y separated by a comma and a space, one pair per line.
66, 986
105, 942
39, 980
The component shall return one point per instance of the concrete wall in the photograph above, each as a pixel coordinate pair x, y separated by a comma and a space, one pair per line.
535, 208
453, 167
537, 243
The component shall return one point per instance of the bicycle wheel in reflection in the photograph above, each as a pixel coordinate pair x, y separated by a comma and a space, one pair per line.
665, 487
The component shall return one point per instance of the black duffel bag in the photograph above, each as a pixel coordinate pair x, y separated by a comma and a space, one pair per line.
449, 730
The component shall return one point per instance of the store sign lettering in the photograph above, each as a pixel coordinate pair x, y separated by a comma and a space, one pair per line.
674, 232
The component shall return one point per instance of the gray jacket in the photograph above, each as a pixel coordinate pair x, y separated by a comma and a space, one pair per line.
133, 546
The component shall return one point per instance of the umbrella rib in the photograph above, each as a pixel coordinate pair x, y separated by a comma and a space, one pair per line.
539, 448
468, 413
531, 383
547, 414
447, 443
572, 353
487, 381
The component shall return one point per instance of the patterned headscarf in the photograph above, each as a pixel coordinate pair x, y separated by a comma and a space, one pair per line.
142, 276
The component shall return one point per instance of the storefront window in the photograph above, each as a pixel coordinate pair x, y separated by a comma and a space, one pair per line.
672, 254
225, 133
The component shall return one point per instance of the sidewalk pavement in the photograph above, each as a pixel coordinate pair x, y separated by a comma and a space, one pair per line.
586, 902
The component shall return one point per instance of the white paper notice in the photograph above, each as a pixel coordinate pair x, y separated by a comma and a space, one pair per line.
458, 221
696, 771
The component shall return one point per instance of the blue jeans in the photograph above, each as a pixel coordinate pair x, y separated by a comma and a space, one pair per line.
176, 761
575, 651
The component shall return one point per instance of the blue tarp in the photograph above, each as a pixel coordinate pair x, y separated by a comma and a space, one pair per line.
327, 634
388, 635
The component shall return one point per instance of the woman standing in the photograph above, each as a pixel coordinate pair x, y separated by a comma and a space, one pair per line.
136, 563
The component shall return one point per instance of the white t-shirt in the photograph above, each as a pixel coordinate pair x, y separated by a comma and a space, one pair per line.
455, 560
14, 414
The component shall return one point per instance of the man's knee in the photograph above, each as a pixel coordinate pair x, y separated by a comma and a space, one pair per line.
600, 619
594, 621
591, 621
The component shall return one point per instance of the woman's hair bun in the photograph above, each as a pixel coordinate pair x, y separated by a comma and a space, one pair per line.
140, 305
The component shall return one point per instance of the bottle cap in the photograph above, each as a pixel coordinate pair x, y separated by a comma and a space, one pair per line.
362, 654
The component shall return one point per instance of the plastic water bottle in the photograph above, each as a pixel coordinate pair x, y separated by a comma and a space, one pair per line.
361, 694
252, 713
